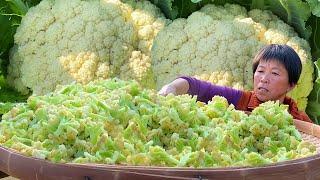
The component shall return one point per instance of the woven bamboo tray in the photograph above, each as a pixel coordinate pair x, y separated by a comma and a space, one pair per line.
24, 167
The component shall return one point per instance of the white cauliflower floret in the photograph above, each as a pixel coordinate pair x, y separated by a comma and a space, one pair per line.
138, 67
62, 41
217, 44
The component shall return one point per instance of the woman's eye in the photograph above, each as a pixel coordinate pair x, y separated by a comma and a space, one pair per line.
274, 73
260, 71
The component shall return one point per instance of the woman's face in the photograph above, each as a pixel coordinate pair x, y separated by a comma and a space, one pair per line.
271, 81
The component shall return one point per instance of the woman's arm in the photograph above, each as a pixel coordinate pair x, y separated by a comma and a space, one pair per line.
202, 89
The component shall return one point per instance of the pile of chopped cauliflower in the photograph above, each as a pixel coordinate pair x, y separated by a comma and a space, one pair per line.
118, 122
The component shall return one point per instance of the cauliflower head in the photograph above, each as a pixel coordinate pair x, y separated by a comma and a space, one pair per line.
218, 44
62, 41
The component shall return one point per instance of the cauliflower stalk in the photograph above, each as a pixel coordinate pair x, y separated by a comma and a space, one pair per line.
63, 41
218, 43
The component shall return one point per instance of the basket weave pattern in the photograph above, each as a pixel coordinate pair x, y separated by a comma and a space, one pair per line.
312, 139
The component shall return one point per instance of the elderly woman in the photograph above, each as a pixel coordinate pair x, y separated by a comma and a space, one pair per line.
276, 69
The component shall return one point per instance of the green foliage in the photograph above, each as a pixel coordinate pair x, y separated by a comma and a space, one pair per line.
8, 94
167, 8
180, 9
315, 7
17, 7
314, 40
293, 12
313, 108
6, 32
11, 12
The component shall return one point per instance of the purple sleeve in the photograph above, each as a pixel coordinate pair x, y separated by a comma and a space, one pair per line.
206, 90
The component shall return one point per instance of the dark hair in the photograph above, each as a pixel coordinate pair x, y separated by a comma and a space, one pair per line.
283, 54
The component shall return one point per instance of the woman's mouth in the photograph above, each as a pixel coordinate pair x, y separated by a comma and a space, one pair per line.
262, 89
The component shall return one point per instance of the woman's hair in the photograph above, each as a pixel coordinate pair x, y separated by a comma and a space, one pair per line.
283, 54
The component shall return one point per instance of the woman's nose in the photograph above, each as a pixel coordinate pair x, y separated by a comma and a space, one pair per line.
264, 79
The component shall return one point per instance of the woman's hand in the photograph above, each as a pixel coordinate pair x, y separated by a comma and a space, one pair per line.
176, 87
167, 89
